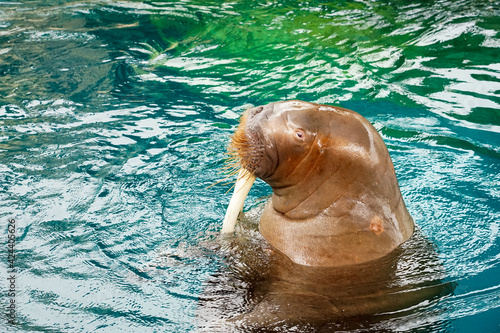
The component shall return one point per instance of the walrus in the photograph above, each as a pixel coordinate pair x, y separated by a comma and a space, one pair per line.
336, 199
259, 289
334, 247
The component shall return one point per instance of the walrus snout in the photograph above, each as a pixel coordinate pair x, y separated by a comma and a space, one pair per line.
252, 145
254, 111
256, 116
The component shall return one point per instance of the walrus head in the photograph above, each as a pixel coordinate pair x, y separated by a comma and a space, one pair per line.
335, 199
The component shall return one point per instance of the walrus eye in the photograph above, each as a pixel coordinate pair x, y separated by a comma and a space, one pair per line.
300, 134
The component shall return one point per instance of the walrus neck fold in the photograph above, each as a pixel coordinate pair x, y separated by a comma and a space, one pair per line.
312, 196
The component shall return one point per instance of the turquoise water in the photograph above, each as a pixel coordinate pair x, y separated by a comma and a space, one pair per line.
115, 115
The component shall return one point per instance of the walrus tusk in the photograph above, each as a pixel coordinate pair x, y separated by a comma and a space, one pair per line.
241, 188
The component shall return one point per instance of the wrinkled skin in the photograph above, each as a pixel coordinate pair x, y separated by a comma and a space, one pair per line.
336, 199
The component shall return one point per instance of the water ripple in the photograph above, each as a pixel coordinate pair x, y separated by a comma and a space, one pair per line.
114, 117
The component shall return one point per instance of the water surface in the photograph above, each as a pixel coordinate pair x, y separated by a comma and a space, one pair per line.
115, 115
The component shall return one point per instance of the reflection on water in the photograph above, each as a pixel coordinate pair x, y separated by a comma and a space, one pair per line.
114, 118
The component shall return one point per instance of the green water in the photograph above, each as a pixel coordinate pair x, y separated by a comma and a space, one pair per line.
115, 115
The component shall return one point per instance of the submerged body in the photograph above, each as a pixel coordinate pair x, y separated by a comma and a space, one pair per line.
336, 200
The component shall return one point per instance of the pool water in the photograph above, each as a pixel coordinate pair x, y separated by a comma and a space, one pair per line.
114, 121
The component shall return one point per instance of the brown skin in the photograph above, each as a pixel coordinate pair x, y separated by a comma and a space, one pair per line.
336, 199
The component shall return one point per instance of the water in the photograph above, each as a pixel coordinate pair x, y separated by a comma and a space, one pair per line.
114, 117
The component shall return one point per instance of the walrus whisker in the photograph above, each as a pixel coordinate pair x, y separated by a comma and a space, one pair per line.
231, 167
218, 182
233, 170
234, 184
